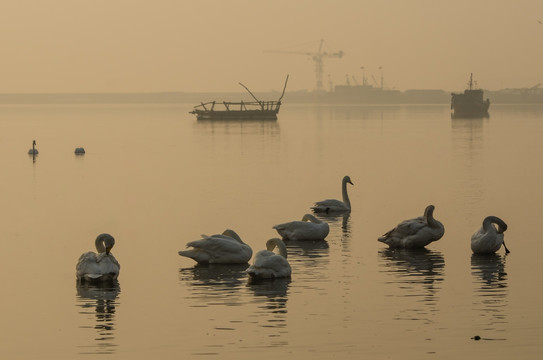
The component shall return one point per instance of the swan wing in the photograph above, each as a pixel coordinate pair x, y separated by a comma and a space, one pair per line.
93, 266
218, 249
329, 205
302, 230
269, 265
483, 242
407, 228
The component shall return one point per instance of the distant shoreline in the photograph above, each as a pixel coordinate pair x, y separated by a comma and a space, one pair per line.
391, 97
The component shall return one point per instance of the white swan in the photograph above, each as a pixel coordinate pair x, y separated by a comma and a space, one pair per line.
101, 266
415, 233
225, 248
268, 265
79, 151
488, 239
310, 228
33, 151
333, 205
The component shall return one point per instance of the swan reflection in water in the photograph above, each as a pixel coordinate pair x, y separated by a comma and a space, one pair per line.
490, 279
271, 298
307, 248
336, 221
215, 284
415, 270
99, 302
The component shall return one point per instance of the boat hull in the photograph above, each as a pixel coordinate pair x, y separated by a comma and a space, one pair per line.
235, 115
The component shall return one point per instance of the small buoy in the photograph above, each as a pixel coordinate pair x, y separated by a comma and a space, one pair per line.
79, 151
476, 338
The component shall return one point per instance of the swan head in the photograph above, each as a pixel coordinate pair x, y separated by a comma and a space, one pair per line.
231, 233
276, 242
105, 242
311, 218
79, 150
502, 226
347, 179
429, 211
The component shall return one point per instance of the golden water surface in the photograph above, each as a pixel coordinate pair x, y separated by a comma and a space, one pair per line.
155, 178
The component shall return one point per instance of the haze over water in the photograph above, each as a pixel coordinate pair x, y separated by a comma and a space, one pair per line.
155, 178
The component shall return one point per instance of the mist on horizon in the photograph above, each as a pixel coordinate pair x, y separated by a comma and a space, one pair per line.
63, 46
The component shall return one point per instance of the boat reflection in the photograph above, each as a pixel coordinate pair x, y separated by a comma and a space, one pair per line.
214, 284
417, 275
98, 302
468, 163
239, 127
490, 279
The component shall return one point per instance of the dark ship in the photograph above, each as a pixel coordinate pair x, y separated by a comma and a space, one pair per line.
470, 103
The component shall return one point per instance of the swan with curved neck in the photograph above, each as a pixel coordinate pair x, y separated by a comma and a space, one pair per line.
225, 248
333, 205
489, 239
415, 233
100, 266
269, 265
309, 228
33, 151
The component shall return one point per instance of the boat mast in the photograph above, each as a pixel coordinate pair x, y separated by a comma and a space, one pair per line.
254, 97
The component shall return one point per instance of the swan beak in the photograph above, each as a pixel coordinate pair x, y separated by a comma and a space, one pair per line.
350, 182
108, 249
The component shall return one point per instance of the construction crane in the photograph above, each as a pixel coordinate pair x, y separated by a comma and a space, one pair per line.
317, 58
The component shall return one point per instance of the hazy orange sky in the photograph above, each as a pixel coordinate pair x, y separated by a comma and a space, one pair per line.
211, 45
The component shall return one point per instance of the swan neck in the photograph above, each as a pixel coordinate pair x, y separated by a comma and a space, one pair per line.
275, 242
489, 220
311, 218
232, 234
99, 244
345, 194
429, 215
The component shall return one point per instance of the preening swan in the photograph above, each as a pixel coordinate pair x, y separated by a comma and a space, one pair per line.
268, 265
415, 233
33, 151
310, 228
225, 248
79, 151
101, 266
333, 205
488, 239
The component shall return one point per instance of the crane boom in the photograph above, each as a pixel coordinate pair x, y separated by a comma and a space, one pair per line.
317, 58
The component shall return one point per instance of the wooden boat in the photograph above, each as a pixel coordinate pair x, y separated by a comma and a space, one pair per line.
243, 110
470, 103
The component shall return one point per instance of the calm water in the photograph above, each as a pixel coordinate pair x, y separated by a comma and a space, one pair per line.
155, 178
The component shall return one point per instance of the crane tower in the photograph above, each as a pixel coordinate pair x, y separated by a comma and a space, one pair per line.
318, 59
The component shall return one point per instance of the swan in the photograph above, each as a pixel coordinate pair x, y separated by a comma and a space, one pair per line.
332, 205
225, 248
79, 151
101, 266
268, 265
310, 228
415, 233
33, 151
488, 239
